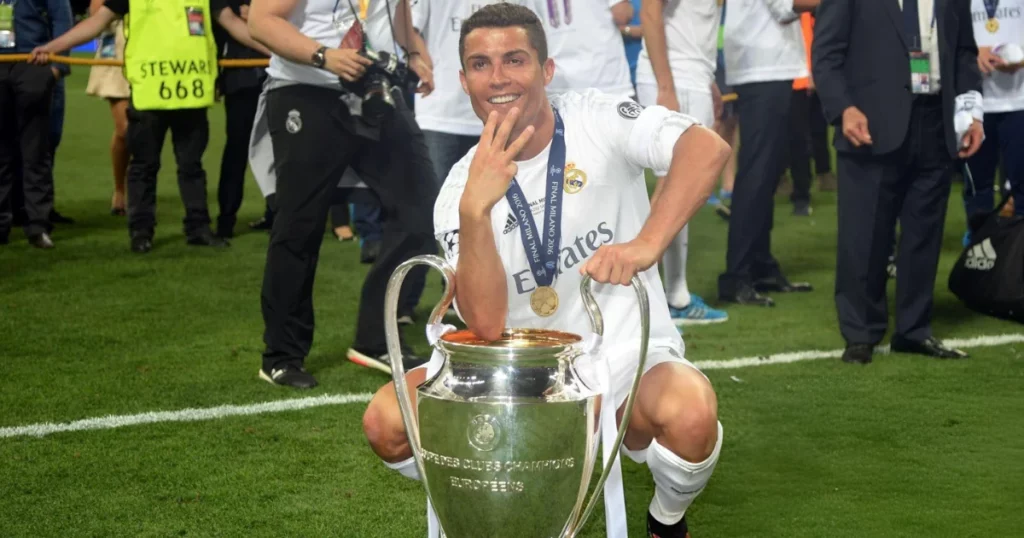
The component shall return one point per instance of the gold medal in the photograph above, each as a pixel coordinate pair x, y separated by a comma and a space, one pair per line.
544, 301
992, 25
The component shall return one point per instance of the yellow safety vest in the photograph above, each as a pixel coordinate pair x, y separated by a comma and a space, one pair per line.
170, 56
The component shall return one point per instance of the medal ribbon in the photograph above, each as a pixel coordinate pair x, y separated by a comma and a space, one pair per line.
990, 7
542, 253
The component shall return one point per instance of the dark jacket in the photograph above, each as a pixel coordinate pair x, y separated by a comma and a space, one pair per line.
37, 22
235, 79
860, 57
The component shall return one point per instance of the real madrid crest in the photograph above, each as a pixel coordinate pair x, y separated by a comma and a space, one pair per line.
294, 122
575, 179
483, 432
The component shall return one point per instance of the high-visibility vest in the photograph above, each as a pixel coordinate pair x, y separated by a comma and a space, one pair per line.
170, 56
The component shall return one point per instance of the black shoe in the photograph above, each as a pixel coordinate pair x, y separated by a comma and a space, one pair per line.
57, 218
5, 238
745, 294
723, 211
802, 209
289, 376
205, 238
225, 227
40, 240
929, 346
262, 224
858, 353
369, 252
382, 361
779, 284
142, 244
657, 529
406, 318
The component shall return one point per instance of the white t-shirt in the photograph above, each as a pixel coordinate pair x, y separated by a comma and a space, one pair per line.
1003, 92
447, 108
327, 22
585, 44
763, 42
691, 37
610, 140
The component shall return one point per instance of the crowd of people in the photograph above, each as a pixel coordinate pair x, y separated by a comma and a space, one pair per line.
505, 105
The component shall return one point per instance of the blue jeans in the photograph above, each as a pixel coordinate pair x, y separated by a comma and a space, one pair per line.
446, 149
1004, 132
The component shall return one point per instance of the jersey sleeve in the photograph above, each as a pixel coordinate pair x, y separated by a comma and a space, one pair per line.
419, 15
645, 137
446, 211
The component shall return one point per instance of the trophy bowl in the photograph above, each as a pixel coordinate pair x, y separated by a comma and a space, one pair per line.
506, 433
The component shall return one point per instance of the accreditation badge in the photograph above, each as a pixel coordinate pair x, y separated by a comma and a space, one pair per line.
920, 72
108, 45
195, 18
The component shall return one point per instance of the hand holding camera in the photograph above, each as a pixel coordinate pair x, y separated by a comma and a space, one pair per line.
348, 64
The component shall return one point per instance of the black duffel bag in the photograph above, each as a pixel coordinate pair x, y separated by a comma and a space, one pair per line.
989, 275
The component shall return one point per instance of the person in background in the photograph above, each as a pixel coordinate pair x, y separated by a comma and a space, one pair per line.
108, 82
240, 87
1000, 37
632, 38
726, 121
901, 84
799, 156
26, 103
676, 69
764, 53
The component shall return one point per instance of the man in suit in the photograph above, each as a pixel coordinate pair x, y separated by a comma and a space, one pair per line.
900, 82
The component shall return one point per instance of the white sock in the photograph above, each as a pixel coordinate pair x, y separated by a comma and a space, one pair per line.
407, 468
677, 481
674, 261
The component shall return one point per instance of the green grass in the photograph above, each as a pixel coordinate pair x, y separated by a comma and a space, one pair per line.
904, 447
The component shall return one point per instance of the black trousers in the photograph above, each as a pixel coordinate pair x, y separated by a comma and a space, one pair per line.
240, 111
315, 139
190, 133
26, 99
764, 125
799, 154
911, 184
819, 136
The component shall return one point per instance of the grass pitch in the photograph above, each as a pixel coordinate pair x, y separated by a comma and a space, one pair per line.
907, 446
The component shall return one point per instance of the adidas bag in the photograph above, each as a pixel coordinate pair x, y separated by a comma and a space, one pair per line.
989, 276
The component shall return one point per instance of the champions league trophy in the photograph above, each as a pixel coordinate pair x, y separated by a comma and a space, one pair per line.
505, 434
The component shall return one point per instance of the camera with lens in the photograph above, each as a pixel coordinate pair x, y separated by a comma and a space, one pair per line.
376, 85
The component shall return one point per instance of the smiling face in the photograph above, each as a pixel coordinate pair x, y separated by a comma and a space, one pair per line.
502, 71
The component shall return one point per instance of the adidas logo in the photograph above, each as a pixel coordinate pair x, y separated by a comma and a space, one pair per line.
981, 257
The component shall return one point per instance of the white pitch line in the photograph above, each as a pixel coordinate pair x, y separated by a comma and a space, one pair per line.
183, 415
192, 415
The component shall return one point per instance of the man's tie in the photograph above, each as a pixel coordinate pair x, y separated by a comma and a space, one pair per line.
912, 24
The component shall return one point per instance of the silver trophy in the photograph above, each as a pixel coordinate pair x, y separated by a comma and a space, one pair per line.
506, 436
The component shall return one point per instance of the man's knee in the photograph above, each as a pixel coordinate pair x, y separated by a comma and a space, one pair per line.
383, 424
690, 410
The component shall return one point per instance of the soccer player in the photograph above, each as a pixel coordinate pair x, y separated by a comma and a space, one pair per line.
609, 230
676, 69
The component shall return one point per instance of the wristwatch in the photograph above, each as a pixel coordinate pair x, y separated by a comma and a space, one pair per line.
319, 59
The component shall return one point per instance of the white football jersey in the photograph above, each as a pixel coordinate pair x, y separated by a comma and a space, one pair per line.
1003, 92
691, 40
609, 141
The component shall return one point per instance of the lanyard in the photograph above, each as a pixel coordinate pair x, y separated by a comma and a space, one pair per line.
543, 256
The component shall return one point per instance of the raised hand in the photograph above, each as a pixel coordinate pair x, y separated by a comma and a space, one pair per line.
493, 165
618, 264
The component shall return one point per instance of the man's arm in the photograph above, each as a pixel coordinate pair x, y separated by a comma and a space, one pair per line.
80, 33
410, 40
237, 28
622, 12
828, 56
787, 11
480, 287
61, 21
268, 24
652, 20
968, 75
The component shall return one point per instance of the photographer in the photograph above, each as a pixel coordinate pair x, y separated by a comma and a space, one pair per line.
334, 101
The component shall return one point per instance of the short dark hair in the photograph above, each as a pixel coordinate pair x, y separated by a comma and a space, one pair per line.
506, 15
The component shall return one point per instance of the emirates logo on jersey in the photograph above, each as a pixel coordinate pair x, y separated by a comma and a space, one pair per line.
573, 253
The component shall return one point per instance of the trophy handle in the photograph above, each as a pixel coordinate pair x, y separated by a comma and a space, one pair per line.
597, 322
395, 346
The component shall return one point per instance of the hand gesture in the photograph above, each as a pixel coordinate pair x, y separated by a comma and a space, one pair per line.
493, 166
346, 63
971, 141
855, 127
426, 74
618, 264
988, 62
668, 99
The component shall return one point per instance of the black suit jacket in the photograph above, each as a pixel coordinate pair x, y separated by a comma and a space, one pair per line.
860, 57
